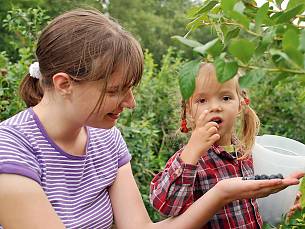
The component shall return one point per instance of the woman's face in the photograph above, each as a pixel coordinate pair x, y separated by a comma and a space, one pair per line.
116, 99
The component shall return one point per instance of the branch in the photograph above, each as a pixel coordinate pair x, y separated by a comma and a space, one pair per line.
237, 24
272, 69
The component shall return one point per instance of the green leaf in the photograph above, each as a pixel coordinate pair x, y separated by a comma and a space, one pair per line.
230, 71
287, 15
262, 15
302, 41
240, 18
252, 77
188, 42
242, 49
293, 3
290, 39
275, 52
187, 77
280, 58
264, 43
219, 66
190, 14
227, 5
213, 47
193, 25
225, 70
231, 34
296, 56
206, 7
280, 77
290, 46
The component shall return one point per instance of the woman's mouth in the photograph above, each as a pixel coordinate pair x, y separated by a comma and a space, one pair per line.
113, 115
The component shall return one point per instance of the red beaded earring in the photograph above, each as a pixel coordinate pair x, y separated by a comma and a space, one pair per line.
183, 127
247, 101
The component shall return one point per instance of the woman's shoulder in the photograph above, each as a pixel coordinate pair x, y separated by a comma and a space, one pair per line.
104, 134
22, 118
18, 126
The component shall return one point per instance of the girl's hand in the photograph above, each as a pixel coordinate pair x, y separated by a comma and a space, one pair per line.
203, 137
236, 188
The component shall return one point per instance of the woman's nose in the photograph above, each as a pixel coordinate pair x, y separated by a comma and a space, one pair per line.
129, 101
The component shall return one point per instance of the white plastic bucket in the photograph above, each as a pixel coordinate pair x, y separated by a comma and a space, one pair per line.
272, 155
281, 144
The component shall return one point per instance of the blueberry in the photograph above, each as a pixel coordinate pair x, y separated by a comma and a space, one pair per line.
257, 177
273, 177
264, 177
280, 176
249, 178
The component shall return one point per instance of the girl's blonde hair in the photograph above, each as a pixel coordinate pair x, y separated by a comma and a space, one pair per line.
243, 139
249, 126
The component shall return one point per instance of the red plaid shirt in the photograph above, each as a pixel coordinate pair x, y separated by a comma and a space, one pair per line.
179, 185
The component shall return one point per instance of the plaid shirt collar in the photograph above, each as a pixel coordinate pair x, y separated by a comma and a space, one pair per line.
228, 151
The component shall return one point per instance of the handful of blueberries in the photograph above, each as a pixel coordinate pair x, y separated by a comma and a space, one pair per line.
264, 177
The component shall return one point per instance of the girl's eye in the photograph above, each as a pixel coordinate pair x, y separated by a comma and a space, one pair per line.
201, 100
226, 98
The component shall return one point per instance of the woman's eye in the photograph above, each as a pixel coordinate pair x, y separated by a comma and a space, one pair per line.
112, 92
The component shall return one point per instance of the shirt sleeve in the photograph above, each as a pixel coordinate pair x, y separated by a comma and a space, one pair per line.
17, 156
171, 191
123, 152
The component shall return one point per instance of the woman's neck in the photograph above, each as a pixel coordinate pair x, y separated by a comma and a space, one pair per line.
69, 136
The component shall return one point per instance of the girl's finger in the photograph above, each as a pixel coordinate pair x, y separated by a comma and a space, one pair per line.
202, 118
211, 124
212, 130
214, 138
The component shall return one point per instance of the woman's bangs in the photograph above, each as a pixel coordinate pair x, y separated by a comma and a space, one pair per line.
132, 62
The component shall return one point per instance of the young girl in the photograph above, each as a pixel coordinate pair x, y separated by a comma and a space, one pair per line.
63, 163
213, 153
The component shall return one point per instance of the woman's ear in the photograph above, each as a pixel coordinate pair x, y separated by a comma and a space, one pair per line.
62, 83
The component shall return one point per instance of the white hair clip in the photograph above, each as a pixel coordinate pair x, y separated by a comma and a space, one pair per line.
34, 70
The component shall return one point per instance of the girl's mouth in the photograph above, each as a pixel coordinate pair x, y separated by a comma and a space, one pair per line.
217, 120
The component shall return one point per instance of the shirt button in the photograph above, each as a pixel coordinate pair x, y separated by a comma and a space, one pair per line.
178, 171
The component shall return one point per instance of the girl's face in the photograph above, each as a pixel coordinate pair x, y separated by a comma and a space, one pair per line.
221, 100
115, 101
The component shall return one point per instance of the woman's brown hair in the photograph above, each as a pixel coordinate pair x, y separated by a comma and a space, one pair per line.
86, 45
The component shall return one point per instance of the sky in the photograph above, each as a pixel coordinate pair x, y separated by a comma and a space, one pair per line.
284, 4
261, 2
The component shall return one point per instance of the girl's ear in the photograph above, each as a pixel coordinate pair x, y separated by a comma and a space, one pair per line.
62, 83
240, 108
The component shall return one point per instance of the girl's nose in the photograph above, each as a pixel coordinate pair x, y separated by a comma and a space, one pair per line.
129, 101
215, 107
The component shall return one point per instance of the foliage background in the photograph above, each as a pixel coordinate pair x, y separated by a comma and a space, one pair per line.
151, 129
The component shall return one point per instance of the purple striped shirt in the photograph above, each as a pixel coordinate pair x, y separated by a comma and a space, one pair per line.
76, 186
